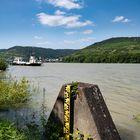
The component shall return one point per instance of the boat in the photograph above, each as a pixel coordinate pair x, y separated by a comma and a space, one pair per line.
32, 61
18, 61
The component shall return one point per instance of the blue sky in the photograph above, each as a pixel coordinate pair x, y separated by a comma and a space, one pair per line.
62, 24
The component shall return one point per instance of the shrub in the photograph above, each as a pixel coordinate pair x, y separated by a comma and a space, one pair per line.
3, 64
13, 93
8, 132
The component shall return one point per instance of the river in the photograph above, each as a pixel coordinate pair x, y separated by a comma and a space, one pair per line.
119, 84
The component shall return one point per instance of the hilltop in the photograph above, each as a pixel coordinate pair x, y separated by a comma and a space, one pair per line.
26, 51
113, 50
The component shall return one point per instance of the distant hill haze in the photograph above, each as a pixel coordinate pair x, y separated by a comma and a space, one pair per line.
113, 50
27, 51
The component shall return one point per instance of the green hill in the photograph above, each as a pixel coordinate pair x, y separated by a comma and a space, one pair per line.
26, 51
114, 50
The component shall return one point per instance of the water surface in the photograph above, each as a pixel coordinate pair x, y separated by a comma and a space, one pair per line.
119, 84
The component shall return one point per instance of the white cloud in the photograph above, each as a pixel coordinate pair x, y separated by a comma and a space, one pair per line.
70, 33
58, 12
38, 37
68, 4
62, 20
44, 43
87, 32
82, 40
126, 20
77, 23
120, 19
88, 39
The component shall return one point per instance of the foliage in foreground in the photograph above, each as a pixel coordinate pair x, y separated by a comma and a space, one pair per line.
3, 64
13, 92
137, 117
8, 132
31, 131
53, 131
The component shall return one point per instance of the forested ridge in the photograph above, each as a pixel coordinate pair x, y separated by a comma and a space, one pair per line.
114, 50
27, 51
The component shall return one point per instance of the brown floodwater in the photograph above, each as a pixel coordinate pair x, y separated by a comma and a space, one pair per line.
119, 84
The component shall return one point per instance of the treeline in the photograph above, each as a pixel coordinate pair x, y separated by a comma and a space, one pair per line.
27, 51
104, 58
114, 50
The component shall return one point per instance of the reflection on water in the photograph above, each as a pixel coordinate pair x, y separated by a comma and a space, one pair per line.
119, 84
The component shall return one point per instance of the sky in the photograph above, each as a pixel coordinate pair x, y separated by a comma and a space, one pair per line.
66, 24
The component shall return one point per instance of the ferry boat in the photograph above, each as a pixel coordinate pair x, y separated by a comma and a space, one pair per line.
18, 61
32, 61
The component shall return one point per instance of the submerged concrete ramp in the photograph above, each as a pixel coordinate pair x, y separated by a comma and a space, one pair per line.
89, 116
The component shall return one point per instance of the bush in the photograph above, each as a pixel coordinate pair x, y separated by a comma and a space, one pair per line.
3, 64
13, 93
8, 132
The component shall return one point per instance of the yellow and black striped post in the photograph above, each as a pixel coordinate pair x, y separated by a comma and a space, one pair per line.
67, 98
